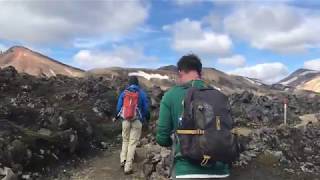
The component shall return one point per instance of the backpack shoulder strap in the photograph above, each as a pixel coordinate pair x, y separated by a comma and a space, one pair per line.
189, 95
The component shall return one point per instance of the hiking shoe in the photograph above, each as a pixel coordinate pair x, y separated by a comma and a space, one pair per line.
128, 168
123, 164
128, 172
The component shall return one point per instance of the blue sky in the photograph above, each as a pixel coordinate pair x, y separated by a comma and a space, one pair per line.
260, 39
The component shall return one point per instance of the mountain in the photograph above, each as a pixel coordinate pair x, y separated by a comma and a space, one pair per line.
169, 68
165, 77
27, 61
303, 79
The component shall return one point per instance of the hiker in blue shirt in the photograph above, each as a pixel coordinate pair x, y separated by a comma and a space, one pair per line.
133, 112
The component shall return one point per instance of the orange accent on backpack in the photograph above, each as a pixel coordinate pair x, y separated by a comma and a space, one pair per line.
130, 105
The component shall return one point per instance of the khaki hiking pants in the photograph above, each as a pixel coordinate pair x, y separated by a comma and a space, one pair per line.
131, 132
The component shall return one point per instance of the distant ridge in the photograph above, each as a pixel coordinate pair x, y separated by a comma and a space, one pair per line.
169, 68
304, 79
166, 77
34, 63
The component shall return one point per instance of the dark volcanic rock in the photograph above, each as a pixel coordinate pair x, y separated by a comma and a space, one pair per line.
46, 120
253, 110
291, 148
155, 97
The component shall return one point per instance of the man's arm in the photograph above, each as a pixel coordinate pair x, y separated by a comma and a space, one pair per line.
144, 104
120, 103
164, 127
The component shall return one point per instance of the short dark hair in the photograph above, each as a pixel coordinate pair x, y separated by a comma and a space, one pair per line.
133, 80
190, 62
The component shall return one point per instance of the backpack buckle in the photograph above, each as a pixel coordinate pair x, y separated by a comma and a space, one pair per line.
199, 132
205, 160
218, 123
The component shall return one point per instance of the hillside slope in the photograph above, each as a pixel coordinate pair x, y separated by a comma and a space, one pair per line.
165, 77
303, 79
27, 61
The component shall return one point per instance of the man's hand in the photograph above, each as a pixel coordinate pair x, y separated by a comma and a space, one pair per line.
115, 118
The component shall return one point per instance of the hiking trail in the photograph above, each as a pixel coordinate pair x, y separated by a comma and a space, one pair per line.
105, 166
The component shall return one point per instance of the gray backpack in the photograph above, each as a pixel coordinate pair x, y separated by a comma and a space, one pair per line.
205, 128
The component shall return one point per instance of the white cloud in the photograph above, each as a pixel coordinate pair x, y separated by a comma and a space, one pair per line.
215, 20
190, 36
50, 22
312, 64
280, 28
267, 72
235, 60
121, 56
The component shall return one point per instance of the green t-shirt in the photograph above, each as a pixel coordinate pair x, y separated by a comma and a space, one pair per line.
170, 111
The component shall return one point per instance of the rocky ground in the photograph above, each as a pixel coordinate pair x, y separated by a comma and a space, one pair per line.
267, 110
49, 125
45, 121
271, 153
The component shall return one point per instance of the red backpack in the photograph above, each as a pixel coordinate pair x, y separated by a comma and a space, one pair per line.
130, 105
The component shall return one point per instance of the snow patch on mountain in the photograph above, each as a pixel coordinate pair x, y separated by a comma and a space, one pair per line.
52, 72
68, 71
148, 76
290, 81
308, 72
256, 81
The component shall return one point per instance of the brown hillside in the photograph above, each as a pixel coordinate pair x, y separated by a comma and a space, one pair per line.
36, 64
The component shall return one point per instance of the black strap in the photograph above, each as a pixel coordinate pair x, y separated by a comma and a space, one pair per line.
187, 101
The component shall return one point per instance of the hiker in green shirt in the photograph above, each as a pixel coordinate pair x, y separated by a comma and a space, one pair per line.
189, 73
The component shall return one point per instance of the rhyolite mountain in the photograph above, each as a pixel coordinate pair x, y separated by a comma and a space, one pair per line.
27, 61
304, 79
166, 76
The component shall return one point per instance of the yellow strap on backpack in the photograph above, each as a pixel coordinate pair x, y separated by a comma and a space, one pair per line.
190, 131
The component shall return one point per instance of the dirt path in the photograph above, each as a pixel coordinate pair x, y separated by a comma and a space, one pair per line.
105, 167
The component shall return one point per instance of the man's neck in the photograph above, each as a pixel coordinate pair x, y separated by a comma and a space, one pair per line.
194, 78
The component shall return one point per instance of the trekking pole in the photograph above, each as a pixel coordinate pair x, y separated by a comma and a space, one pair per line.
172, 155
285, 110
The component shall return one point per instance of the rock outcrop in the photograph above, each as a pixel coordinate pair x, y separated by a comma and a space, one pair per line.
253, 110
44, 121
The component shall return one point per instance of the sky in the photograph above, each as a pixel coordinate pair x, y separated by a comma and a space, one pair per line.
263, 39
